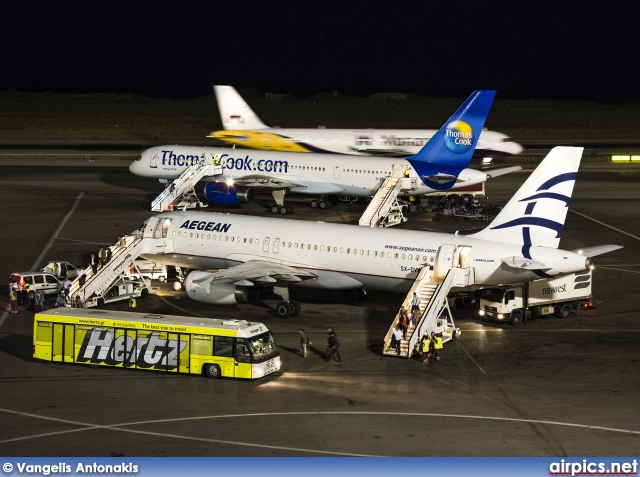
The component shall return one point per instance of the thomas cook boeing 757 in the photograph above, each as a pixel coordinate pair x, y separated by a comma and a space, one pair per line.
233, 256
441, 165
243, 127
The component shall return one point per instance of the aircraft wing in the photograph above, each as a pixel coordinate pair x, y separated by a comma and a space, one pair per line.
259, 272
597, 250
522, 263
266, 182
492, 172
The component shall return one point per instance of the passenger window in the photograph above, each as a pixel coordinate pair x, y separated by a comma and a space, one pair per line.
389, 255
335, 249
38, 279
232, 239
395, 255
208, 236
243, 355
190, 234
28, 280
410, 257
402, 257
223, 346
197, 235
348, 250
321, 248
375, 253
214, 237
355, 252
50, 279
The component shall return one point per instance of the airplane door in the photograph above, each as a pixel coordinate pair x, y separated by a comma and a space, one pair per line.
155, 157
265, 244
336, 172
444, 260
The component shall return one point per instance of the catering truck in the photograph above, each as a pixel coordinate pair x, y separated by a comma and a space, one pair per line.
557, 296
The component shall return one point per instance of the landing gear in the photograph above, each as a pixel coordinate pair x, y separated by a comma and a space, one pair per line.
288, 306
354, 295
320, 203
279, 207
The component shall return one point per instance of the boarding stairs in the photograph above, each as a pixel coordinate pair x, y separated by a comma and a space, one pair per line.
97, 286
434, 314
384, 209
180, 194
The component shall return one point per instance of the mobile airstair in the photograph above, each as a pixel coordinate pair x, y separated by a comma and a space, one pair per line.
110, 282
384, 209
180, 194
434, 313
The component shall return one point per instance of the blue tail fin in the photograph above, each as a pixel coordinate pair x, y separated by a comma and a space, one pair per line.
449, 151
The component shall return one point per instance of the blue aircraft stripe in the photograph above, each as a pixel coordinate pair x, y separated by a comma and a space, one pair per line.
529, 209
526, 238
540, 222
569, 176
549, 195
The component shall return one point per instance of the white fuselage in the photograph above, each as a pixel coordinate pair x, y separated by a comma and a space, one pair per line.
378, 259
306, 173
396, 142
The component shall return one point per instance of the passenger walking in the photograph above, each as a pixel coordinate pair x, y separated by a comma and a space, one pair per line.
425, 344
27, 297
437, 346
132, 304
60, 300
13, 298
415, 302
39, 300
397, 339
304, 341
109, 254
102, 256
82, 277
66, 288
94, 263
333, 346
121, 242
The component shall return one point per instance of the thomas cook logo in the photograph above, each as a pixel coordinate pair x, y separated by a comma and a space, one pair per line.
458, 137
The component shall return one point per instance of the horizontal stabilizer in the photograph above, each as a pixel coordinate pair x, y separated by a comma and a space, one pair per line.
522, 263
597, 250
500, 171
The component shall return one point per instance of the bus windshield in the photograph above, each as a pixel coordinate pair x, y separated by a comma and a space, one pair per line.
262, 346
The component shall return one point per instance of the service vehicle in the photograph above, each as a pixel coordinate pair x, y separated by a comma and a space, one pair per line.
148, 269
62, 269
172, 344
555, 295
46, 282
122, 289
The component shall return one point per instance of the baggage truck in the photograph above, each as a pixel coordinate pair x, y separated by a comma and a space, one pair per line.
557, 296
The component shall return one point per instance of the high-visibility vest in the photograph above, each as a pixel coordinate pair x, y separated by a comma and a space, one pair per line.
132, 303
438, 343
425, 345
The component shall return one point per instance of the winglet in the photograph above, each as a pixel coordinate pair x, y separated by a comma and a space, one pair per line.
235, 113
452, 147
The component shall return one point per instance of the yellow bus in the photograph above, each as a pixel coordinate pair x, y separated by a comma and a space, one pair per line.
173, 344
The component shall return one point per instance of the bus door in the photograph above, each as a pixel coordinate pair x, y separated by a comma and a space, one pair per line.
243, 359
176, 355
223, 351
63, 343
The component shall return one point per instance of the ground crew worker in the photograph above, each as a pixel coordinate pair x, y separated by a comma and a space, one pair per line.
437, 346
13, 297
27, 298
54, 269
426, 342
132, 304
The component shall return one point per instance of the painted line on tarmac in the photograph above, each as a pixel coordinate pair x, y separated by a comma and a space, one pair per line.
618, 269
3, 317
57, 231
184, 310
606, 225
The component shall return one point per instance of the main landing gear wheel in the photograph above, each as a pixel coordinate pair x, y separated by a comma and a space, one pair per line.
284, 309
212, 371
281, 209
296, 307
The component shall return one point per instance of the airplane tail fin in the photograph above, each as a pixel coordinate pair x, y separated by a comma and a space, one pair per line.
235, 113
535, 215
453, 145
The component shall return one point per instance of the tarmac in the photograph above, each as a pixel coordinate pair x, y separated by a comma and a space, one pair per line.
552, 387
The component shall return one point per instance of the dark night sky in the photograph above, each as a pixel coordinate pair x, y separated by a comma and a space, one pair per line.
179, 49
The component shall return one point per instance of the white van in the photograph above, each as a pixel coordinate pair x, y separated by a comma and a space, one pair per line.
148, 269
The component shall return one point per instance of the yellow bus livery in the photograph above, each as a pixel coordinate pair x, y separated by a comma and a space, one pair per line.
174, 344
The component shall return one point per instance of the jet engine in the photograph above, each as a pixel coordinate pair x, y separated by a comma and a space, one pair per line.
199, 287
222, 193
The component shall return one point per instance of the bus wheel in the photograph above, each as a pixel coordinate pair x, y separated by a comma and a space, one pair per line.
144, 293
212, 371
516, 318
